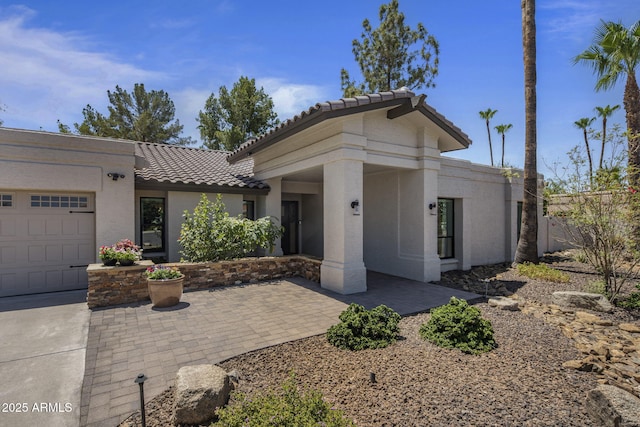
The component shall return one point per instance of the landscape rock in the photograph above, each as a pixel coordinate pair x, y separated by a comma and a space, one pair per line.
504, 303
199, 391
585, 300
611, 406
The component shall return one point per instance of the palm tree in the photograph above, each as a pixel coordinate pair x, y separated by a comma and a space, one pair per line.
502, 129
584, 124
488, 115
527, 249
605, 112
615, 53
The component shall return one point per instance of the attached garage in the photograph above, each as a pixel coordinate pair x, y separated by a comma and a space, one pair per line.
61, 198
46, 241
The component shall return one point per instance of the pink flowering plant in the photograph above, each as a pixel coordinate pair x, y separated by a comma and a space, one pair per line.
126, 250
107, 253
162, 272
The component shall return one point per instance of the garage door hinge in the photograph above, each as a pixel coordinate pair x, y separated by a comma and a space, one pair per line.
82, 212
79, 266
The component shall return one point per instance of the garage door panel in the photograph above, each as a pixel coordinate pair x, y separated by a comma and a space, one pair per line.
52, 227
7, 227
7, 255
35, 253
36, 227
45, 248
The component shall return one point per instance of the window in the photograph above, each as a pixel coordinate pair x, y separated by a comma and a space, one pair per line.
248, 209
152, 224
58, 201
6, 200
445, 228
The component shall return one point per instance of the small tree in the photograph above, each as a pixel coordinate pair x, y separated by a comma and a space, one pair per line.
487, 115
502, 129
236, 115
211, 234
599, 215
393, 55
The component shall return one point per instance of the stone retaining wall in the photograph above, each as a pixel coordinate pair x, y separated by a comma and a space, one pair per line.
122, 285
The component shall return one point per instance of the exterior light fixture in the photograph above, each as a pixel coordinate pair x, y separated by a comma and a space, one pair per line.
355, 205
115, 175
432, 208
140, 379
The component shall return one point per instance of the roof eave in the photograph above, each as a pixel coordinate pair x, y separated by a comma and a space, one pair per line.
144, 184
311, 119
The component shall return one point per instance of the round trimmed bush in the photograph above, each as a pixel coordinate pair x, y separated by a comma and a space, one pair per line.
360, 328
458, 325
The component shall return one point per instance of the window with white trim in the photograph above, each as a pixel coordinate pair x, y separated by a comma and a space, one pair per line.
6, 200
58, 201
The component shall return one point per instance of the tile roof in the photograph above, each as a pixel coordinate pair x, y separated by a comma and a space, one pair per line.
343, 106
173, 165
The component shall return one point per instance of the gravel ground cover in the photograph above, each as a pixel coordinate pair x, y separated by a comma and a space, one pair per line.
520, 383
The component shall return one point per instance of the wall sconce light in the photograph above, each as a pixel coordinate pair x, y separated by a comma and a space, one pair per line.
115, 175
355, 205
432, 208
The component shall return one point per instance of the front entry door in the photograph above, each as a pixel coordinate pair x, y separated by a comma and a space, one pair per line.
290, 223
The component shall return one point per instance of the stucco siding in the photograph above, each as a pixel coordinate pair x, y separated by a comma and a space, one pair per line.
41, 161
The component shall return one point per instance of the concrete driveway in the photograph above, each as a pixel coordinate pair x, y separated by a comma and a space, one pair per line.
42, 358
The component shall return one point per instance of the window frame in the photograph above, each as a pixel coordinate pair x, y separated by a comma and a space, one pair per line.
446, 240
163, 238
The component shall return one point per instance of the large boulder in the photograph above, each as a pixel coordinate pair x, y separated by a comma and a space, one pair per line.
199, 391
610, 406
585, 300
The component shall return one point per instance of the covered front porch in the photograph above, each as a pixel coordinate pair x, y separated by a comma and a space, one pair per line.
356, 183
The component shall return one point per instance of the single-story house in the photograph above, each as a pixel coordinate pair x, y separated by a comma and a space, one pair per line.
359, 182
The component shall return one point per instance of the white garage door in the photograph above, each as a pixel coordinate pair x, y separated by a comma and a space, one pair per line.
46, 241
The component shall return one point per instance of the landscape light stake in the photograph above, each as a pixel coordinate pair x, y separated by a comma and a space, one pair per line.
140, 381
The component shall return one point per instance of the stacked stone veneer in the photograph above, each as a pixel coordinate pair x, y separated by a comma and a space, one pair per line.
122, 285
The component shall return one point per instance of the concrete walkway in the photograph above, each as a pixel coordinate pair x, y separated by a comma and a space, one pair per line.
44, 339
214, 325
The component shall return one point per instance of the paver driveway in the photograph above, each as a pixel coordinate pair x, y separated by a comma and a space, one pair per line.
211, 326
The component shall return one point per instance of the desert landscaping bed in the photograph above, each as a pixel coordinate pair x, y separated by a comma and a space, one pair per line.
520, 383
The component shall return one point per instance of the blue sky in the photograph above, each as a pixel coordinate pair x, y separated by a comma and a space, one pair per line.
56, 57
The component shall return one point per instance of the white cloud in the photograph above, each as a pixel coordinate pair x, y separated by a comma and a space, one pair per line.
48, 75
289, 98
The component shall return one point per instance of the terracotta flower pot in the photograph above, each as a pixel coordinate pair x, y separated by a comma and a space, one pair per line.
166, 292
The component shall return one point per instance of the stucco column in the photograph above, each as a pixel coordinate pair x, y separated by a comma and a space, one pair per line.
429, 197
342, 268
273, 208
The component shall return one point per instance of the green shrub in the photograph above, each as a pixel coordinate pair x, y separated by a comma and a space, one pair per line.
360, 328
458, 325
210, 234
580, 257
631, 301
596, 287
542, 272
290, 407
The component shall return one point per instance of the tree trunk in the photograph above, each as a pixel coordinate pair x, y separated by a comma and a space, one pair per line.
490, 147
527, 249
586, 143
632, 109
604, 140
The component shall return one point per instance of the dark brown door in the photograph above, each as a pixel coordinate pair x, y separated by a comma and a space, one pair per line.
290, 223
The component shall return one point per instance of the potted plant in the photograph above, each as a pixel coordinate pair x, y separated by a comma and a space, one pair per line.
164, 284
108, 255
127, 252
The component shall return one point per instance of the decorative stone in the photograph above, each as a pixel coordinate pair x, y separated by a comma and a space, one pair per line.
610, 406
504, 303
585, 300
199, 391
630, 327
587, 317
